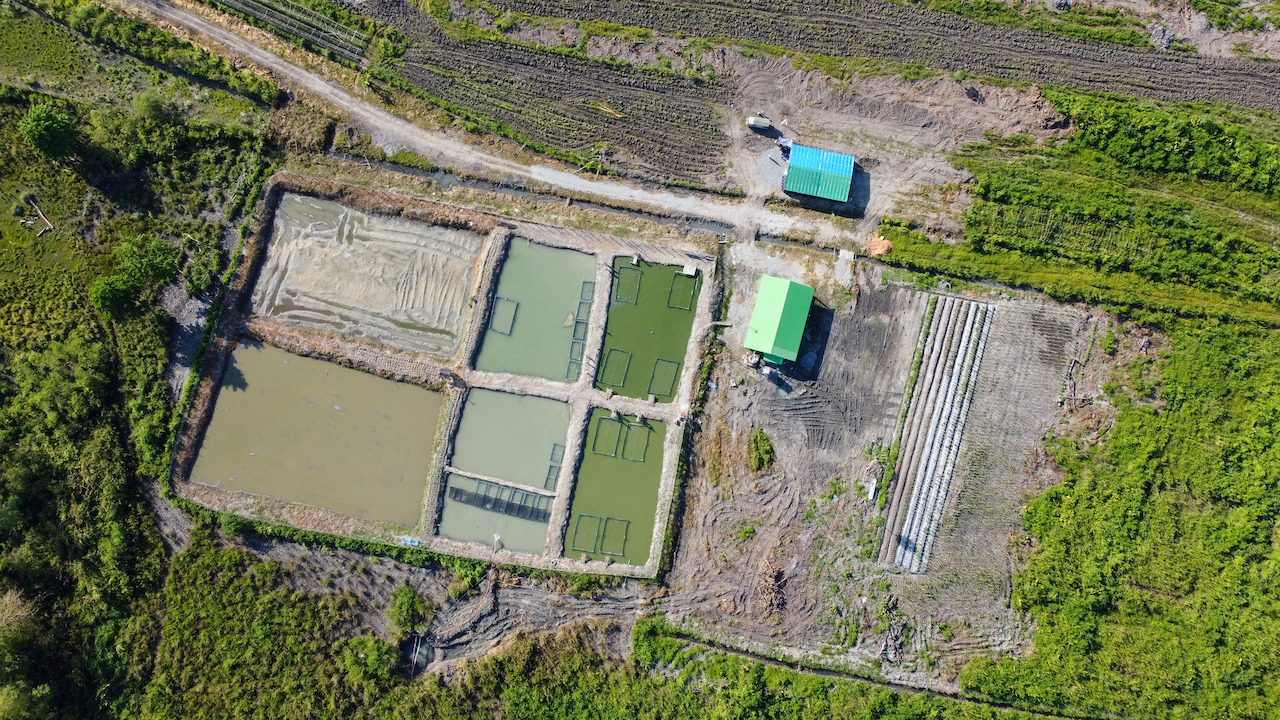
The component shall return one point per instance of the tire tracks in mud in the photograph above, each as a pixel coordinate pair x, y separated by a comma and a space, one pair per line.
900, 33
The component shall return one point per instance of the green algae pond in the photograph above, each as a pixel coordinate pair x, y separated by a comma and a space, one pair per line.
538, 324
651, 309
308, 431
615, 500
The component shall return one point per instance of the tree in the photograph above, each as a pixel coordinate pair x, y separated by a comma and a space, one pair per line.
407, 612
49, 130
143, 264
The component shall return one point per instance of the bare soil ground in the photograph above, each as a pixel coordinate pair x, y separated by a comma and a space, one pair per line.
899, 131
888, 31
759, 551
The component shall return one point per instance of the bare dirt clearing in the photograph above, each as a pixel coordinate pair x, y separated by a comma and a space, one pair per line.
784, 561
899, 131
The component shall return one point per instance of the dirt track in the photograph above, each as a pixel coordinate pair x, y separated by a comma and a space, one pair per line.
450, 151
661, 125
887, 31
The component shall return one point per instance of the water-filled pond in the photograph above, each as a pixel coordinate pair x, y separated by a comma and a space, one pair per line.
538, 325
615, 499
504, 440
309, 431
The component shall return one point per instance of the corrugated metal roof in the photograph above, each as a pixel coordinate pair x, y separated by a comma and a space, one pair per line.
778, 318
820, 173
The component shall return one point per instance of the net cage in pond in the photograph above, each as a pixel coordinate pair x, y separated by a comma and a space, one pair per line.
614, 436
594, 534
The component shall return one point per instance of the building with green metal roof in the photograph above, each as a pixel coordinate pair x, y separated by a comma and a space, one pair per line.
778, 318
820, 173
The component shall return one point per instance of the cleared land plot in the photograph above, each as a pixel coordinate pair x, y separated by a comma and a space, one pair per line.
900, 32
651, 311
305, 24
491, 514
935, 424
516, 438
397, 282
615, 499
663, 125
307, 431
538, 323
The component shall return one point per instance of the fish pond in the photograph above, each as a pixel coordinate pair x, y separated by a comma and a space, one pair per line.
651, 309
615, 499
308, 431
503, 441
538, 323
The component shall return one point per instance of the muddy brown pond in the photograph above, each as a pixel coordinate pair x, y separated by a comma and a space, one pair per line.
308, 431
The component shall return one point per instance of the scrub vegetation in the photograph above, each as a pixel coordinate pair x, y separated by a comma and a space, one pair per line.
1151, 568
1150, 565
1165, 209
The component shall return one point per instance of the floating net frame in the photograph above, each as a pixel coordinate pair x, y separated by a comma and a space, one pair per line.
626, 286
501, 499
500, 316
553, 469
603, 541
578, 344
607, 447
609, 363
626, 441
670, 385
677, 293
595, 533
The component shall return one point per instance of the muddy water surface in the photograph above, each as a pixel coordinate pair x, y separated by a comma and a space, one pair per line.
309, 431
539, 321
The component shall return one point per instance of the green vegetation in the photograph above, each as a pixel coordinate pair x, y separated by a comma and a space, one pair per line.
1228, 15
1121, 27
1167, 210
759, 451
408, 612
142, 266
132, 37
49, 131
1153, 585
1150, 580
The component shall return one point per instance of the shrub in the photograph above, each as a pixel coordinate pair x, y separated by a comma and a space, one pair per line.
407, 613
759, 451
49, 130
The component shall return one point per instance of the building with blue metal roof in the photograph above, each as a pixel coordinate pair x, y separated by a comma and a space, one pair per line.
820, 173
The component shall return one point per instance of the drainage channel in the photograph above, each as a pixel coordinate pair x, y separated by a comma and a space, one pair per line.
447, 179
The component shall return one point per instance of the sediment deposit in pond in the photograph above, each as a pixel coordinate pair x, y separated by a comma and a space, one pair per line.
308, 431
398, 282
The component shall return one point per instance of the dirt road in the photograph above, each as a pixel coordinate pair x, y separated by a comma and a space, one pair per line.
448, 151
